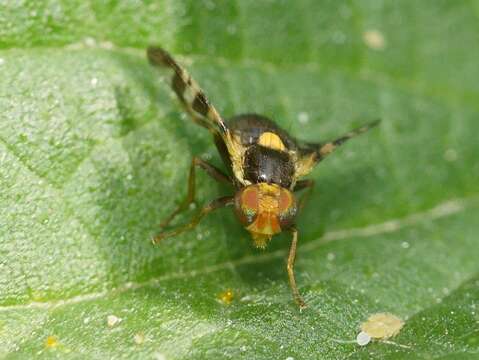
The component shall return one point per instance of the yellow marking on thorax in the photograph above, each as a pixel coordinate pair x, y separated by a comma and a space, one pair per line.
272, 141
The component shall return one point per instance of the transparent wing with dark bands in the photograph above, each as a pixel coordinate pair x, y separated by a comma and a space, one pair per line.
188, 91
312, 153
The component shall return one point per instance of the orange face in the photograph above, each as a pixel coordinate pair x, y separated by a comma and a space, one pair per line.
265, 210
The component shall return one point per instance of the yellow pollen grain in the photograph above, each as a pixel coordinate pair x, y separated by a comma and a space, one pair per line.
51, 342
226, 297
382, 326
272, 141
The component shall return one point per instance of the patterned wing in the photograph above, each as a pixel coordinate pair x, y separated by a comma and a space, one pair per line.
311, 154
197, 105
188, 91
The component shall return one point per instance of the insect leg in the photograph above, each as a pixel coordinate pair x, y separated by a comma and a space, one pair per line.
292, 281
188, 91
301, 185
211, 170
213, 205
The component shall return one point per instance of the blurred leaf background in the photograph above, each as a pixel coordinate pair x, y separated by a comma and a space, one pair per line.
94, 152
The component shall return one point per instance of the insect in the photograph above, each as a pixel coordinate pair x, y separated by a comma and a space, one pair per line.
265, 166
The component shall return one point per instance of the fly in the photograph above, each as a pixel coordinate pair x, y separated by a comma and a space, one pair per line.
265, 165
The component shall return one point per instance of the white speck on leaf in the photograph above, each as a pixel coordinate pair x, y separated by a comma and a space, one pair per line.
405, 245
112, 320
450, 155
139, 338
107, 45
94, 82
374, 39
89, 41
159, 356
303, 117
2, 61
363, 339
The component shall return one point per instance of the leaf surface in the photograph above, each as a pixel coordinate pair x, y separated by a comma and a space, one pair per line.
94, 153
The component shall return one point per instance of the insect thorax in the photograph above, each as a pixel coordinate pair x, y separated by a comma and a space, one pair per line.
263, 164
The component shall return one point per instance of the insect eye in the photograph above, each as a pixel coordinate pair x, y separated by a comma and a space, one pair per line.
287, 208
246, 205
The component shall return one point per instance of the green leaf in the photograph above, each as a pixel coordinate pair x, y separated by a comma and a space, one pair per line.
94, 153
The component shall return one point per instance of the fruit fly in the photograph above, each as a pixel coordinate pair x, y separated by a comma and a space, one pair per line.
265, 166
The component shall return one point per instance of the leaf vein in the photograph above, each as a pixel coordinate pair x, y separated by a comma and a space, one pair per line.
442, 210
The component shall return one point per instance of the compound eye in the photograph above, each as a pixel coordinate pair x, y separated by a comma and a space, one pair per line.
287, 207
246, 204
